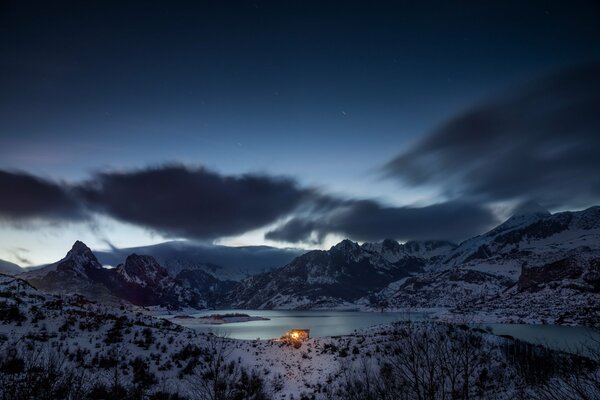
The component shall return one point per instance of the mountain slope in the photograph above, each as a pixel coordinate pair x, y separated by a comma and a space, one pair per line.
55, 347
428, 250
74, 273
140, 280
326, 279
223, 262
536, 267
535, 238
209, 288
566, 291
9, 268
449, 289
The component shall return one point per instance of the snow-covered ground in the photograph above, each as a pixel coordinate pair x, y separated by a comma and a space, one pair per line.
87, 334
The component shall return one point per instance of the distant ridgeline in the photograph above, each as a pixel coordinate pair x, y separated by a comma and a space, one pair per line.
536, 266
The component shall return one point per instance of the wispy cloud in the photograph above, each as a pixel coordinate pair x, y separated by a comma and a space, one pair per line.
26, 197
197, 203
541, 142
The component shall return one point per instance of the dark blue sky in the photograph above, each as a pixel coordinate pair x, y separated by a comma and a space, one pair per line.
325, 93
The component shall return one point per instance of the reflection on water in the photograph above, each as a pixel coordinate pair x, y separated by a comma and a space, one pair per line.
320, 323
333, 323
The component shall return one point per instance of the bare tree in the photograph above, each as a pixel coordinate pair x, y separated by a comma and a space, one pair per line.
220, 377
422, 361
33, 371
576, 377
215, 378
363, 382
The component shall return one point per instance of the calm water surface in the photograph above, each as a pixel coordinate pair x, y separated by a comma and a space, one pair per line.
332, 323
320, 323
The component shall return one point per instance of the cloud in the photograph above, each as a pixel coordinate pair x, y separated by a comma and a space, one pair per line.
28, 198
367, 220
179, 201
17, 254
540, 143
197, 203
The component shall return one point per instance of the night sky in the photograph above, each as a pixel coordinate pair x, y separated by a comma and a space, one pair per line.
290, 123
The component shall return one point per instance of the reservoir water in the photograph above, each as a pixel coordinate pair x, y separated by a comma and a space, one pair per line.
333, 323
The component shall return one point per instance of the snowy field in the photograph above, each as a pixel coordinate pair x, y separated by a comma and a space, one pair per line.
103, 351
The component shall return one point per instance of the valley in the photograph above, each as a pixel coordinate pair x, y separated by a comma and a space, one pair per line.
524, 292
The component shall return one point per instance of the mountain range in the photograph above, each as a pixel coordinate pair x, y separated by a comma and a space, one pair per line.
520, 265
9, 268
336, 277
223, 262
139, 280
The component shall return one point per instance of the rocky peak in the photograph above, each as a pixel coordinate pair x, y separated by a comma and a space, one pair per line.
143, 270
428, 249
575, 269
530, 208
346, 250
588, 219
525, 214
80, 251
390, 250
79, 259
391, 245
346, 245
79, 247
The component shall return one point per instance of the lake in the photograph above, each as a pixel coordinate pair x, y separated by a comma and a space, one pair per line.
333, 323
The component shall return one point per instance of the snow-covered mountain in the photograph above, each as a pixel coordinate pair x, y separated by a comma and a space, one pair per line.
554, 251
566, 291
428, 250
79, 341
66, 346
222, 262
208, 288
533, 252
450, 288
75, 273
536, 266
140, 280
327, 279
6, 267
528, 238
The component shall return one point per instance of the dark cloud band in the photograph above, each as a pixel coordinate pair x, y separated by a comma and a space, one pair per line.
539, 143
25, 197
175, 200
367, 220
192, 202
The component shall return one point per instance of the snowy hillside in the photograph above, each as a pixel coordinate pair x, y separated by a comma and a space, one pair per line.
534, 238
326, 279
222, 262
140, 280
560, 292
449, 289
9, 268
556, 252
536, 267
68, 347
